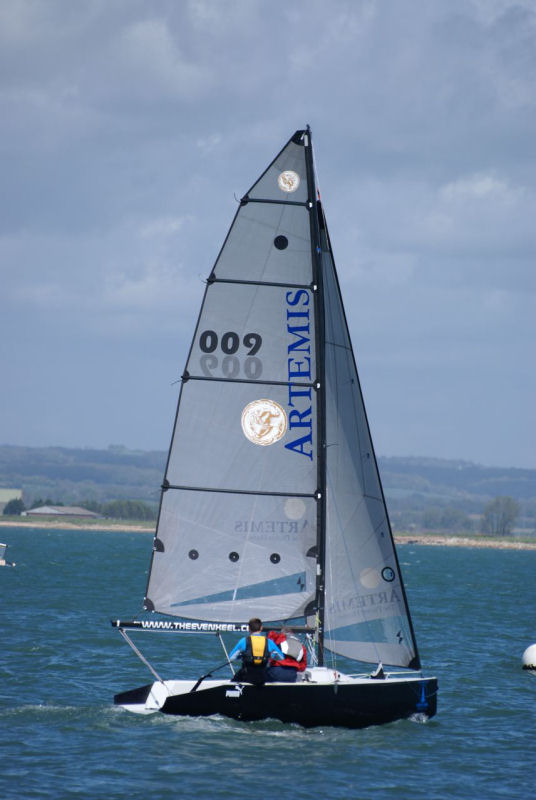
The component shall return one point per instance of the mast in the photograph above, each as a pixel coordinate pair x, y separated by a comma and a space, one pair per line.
320, 387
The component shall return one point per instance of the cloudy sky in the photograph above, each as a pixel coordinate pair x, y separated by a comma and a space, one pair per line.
130, 126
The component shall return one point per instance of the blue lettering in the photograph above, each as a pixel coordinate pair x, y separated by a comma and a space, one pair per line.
293, 298
302, 342
299, 370
298, 391
295, 369
299, 446
296, 419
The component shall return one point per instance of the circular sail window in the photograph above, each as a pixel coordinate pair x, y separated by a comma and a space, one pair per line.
369, 577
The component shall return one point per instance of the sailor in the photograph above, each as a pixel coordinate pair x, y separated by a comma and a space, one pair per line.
295, 659
255, 651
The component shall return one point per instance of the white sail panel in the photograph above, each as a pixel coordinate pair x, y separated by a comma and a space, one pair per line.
366, 616
286, 177
268, 242
214, 448
227, 557
251, 332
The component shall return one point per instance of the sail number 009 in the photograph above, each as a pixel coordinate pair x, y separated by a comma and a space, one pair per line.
229, 344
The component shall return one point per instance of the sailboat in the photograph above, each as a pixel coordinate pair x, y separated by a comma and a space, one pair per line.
272, 504
3, 560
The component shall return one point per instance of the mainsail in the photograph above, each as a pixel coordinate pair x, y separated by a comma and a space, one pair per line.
272, 503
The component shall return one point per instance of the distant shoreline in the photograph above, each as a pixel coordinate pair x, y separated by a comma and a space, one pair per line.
464, 541
83, 525
400, 538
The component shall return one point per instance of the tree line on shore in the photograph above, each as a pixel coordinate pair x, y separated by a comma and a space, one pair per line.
112, 509
423, 494
498, 518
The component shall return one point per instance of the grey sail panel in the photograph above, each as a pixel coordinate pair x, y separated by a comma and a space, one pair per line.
226, 557
366, 614
241, 476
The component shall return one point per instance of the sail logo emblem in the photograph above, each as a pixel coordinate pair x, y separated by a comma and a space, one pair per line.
288, 181
264, 422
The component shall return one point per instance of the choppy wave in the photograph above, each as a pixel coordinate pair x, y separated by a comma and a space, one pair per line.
60, 664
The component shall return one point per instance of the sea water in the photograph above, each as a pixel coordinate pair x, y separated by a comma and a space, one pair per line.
61, 663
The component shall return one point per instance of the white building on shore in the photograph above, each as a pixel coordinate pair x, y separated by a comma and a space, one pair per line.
60, 511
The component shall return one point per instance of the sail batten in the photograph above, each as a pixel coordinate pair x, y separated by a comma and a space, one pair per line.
245, 200
238, 491
245, 380
264, 283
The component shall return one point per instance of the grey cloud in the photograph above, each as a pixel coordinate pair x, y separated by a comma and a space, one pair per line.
130, 127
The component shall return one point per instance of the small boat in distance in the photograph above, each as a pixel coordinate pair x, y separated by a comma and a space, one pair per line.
272, 504
3, 561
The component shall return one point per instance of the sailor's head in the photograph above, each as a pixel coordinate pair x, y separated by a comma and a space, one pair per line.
254, 625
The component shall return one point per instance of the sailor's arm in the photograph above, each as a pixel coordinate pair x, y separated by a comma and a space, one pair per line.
274, 651
238, 649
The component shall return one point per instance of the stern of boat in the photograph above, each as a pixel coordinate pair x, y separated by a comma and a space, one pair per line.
143, 700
